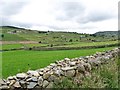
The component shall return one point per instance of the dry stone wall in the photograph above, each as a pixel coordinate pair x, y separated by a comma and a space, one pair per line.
76, 68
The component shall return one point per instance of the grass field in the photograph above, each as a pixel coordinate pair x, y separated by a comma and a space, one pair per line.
67, 44
20, 61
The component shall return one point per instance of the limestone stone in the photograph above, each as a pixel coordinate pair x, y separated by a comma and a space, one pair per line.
10, 78
33, 73
58, 72
68, 68
22, 82
40, 81
33, 79
46, 75
50, 85
17, 85
52, 78
4, 87
72, 63
87, 67
70, 73
21, 75
2, 82
80, 68
45, 83
31, 85
12, 82
41, 73
67, 59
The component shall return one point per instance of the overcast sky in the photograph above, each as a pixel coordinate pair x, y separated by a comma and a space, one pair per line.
83, 16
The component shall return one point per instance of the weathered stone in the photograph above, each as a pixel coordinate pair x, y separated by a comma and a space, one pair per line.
2, 82
14, 77
41, 73
33, 73
22, 82
21, 75
72, 63
46, 70
52, 64
58, 72
46, 75
42, 69
45, 83
12, 82
40, 81
52, 78
31, 85
8, 82
33, 79
80, 68
10, 78
66, 59
4, 87
50, 85
87, 67
70, 73
68, 68
17, 85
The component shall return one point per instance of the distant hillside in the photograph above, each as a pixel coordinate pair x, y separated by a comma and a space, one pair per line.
107, 33
11, 27
12, 33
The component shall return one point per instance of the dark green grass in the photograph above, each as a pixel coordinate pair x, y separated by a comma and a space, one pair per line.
20, 61
12, 37
10, 46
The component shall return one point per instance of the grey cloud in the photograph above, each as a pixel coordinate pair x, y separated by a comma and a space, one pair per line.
12, 7
95, 17
77, 11
70, 10
9, 8
6, 22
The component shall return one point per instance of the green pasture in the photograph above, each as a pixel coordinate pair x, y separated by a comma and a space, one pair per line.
81, 44
21, 61
15, 46
67, 44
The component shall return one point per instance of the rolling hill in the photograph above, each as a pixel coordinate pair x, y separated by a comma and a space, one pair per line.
12, 33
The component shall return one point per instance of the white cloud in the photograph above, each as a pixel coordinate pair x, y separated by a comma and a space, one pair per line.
87, 16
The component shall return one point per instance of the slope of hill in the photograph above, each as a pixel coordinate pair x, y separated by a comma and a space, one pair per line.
107, 33
11, 33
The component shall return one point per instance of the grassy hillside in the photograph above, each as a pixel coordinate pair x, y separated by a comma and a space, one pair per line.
20, 34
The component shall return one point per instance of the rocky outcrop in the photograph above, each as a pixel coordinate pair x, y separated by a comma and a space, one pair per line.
76, 68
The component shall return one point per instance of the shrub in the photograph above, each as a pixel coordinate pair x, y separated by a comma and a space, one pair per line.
2, 35
70, 40
51, 45
39, 42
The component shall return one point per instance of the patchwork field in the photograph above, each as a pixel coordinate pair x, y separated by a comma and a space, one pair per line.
21, 61
73, 44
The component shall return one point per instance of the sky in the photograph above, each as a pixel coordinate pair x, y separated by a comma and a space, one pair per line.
82, 16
